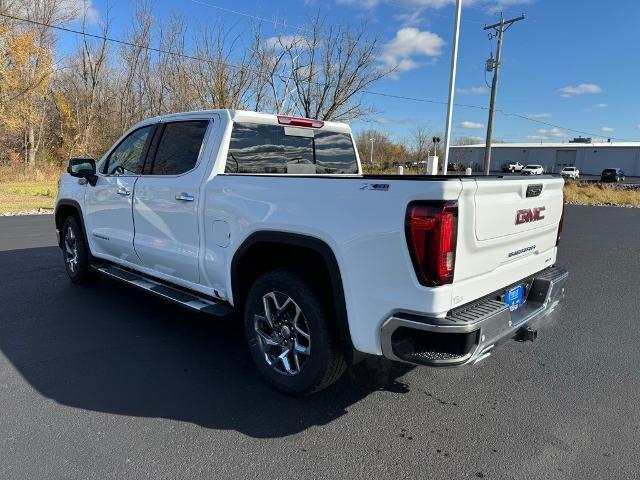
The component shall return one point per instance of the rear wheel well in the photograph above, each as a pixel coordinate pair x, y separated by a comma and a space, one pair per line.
307, 256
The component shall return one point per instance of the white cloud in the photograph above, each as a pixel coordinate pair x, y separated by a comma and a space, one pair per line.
537, 137
410, 42
490, 6
281, 41
473, 91
403, 3
471, 125
601, 105
498, 6
607, 129
553, 132
410, 19
638, 126
582, 89
77, 9
538, 116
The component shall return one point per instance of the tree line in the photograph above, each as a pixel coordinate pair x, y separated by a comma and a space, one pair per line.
58, 101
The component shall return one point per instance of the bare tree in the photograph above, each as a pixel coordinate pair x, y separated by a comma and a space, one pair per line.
133, 60
330, 68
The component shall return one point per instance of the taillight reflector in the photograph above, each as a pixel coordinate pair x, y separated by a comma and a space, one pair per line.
432, 231
300, 122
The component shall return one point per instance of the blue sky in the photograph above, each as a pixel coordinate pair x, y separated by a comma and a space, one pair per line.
571, 63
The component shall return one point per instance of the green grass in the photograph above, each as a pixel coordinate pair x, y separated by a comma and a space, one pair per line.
21, 195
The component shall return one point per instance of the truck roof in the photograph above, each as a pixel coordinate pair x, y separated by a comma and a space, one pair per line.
240, 116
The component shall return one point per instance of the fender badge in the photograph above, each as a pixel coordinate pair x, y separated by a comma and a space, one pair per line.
375, 186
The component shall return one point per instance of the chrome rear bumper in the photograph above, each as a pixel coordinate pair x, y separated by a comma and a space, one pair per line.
468, 333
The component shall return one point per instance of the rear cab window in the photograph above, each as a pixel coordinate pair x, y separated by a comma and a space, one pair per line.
277, 149
178, 147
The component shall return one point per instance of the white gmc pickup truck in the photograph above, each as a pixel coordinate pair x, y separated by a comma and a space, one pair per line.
269, 218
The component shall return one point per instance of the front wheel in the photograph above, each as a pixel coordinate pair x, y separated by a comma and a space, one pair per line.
75, 251
290, 334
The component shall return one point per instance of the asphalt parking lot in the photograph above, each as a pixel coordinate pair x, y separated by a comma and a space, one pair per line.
105, 382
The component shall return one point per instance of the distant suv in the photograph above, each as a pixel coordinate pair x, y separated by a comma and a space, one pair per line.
533, 170
570, 172
612, 175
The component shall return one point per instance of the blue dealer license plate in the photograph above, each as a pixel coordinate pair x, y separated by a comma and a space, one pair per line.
513, 298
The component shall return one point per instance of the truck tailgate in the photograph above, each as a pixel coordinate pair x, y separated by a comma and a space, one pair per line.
506, 208
508, 229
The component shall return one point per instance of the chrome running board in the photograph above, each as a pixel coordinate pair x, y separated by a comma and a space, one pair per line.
175, 295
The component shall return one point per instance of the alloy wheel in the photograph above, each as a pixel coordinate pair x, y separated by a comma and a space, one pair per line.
282, 333
71, 250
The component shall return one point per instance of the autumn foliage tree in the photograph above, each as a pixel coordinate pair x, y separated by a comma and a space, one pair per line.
25, 76
54, 106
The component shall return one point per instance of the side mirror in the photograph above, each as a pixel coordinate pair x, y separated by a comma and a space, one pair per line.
83, 168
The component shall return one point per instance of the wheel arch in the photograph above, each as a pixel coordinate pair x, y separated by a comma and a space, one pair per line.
64, 208
268, 247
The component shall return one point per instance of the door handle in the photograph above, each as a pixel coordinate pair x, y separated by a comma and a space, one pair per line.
185, 197
123, 191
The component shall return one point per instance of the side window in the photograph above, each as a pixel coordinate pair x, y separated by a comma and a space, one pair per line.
334, 153
128, 157
179, 147
257, 148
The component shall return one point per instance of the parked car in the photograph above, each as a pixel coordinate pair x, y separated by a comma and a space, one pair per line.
570, 172
612, 175
533, 170
512, 167
268, 219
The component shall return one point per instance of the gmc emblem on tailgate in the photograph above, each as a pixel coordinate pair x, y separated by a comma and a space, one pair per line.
529, 215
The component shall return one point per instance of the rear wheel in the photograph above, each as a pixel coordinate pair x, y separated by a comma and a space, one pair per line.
290, 334
75, 251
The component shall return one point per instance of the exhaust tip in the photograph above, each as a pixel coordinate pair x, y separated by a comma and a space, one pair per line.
526, 334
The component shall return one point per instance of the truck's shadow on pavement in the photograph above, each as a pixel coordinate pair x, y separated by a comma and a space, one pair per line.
110, 348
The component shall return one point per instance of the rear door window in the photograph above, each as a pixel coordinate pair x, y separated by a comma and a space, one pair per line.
276, 149
179, 147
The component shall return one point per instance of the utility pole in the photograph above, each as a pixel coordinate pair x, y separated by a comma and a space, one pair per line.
452, 85
494, 65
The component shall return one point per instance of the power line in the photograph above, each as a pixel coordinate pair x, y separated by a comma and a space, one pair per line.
230, 65
114, 40
254, 17
481, 107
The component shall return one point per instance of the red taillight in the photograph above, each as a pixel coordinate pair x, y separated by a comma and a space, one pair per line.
300, 122
432, 230
561, 224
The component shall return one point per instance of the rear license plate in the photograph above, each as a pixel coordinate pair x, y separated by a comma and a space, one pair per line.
513, 297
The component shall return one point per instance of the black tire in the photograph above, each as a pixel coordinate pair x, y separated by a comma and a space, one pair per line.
75, 251
325, 362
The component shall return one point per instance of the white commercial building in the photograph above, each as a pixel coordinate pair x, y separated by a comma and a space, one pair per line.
589, 158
